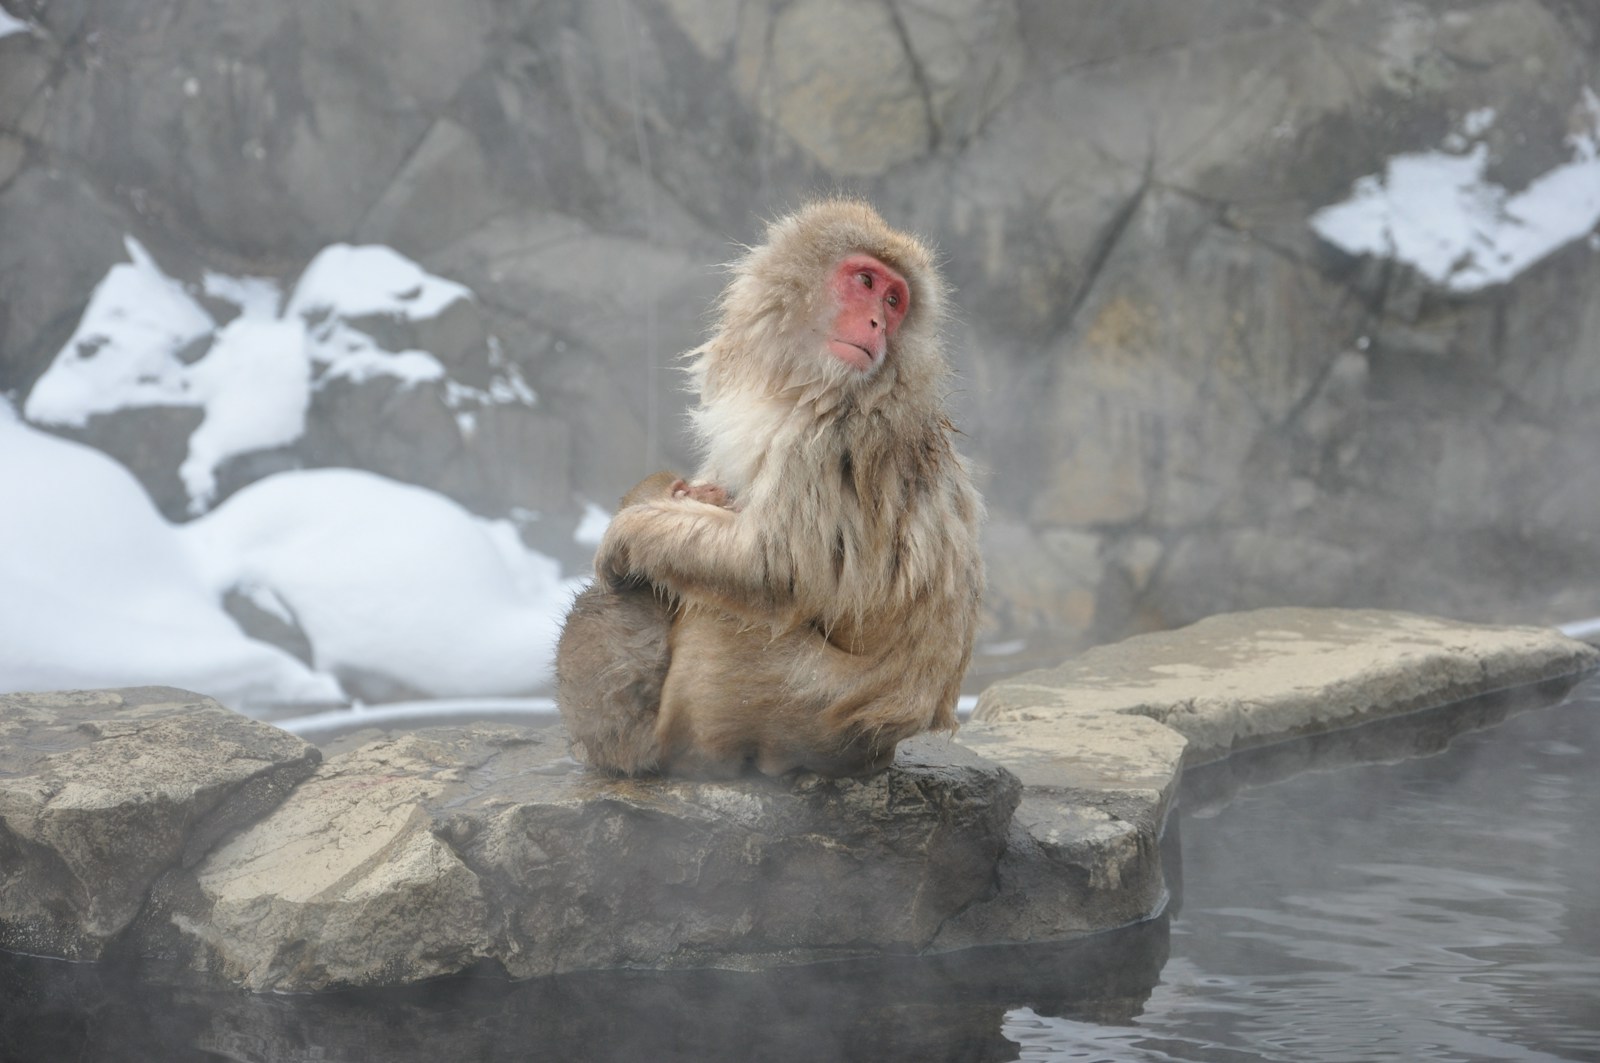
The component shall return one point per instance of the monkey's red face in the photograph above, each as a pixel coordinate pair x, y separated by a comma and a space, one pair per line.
872, 300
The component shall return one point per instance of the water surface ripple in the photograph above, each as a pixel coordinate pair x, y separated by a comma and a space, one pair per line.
1445, 908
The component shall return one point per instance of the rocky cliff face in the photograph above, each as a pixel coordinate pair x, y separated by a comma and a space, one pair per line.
1190, 389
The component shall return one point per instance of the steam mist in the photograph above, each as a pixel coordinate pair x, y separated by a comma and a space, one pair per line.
330, 334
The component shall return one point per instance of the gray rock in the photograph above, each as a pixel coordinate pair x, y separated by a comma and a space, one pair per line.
152, 442
418, 434
1031, 587
101, 792
1155, 345
1084, 853
133, 815
1099, 742
1245, 679
863, 88
62, 236
426, 853
266, 617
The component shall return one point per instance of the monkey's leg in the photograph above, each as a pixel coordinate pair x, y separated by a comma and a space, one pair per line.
610, 664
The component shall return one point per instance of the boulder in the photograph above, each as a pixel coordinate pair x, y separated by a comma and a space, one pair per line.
430, 852
101, 792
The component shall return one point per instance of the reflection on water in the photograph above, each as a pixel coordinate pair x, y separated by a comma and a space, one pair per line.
1437, 909
948, 1007
1445, 908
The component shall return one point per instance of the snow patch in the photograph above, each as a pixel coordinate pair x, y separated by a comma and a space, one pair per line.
1436, 212
507, 387
126, 348
255, 385
592, 527
345, 284
371, 281
256, 297
100, 592
391, 579
145, 340
347, 353
10, 24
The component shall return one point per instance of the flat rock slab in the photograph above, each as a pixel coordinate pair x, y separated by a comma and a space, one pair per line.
434, 851
1099, 742
101, 792
1245, 679
1084, 852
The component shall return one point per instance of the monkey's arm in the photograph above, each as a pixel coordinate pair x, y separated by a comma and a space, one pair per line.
698, 550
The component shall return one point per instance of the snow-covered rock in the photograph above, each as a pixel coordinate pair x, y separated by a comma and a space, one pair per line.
389, 581
145, 340
395, 587
100, 591
1437, 211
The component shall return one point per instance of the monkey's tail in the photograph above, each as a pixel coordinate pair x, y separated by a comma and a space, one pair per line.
610, 726
611, 663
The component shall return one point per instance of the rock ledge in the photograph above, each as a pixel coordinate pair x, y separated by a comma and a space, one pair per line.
155, 823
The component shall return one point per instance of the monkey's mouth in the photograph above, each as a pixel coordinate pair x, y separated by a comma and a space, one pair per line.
852, 354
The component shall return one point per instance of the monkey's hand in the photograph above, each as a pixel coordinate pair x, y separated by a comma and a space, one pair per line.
710, 494
612, 562
697, 551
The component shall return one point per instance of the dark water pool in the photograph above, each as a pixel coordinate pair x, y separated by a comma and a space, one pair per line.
1445, 908
1441, 908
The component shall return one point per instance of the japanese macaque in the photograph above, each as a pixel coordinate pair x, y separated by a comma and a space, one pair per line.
811, 597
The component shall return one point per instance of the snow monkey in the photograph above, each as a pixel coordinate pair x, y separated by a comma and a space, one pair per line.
811, 598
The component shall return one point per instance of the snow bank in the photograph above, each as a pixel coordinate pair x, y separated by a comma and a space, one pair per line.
382, 577
391, 579
98, 591
1436, 211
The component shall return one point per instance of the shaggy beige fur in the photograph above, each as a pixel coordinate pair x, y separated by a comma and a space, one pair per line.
829, 611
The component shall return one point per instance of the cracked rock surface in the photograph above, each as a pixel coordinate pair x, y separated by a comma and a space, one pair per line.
429, 852
1238, 680
103, 791
1100, 742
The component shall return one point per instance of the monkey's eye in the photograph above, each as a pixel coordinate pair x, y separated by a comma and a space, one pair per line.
893, 299
865, 278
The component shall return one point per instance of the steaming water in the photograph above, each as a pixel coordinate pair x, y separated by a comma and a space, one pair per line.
1444, 908
1437, 909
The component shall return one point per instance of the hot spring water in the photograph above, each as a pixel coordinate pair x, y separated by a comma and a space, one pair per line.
1421, 908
